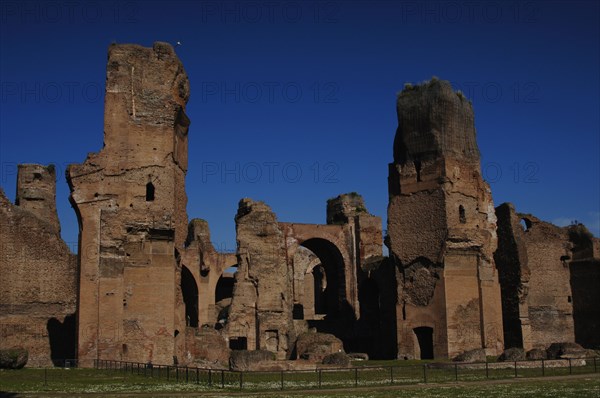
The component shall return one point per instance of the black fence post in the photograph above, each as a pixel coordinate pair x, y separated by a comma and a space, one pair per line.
515, 368
456, 371
543, 368
197, 376
595, 368
355, 377
319, 378
424, 373
241, 380
222, 379
168, 373
187, 376
391, 375
45, 376
210, 377
487, 369
177, 373
570, 367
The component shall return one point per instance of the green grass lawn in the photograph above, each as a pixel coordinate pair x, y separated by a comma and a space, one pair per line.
376, 376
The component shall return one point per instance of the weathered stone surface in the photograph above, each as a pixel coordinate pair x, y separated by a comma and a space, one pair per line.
131, 203
261, 307
206, 346
314, 346
38, 273
532, 261
536, 354
345, 207
36, 192
565, 350
339, 359
243, 360
358, 356
471, 356
434, 122
441, 229
13, 358
512, 354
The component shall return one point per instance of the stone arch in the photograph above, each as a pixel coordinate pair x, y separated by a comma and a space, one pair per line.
189, 290
331, 277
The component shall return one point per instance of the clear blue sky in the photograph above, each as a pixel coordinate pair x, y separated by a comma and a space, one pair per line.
294, 102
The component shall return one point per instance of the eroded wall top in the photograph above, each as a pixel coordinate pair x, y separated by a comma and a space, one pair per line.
434, 121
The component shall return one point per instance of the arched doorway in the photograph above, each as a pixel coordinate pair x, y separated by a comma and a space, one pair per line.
329, 278
223, 295
326, 307
189, 289
424, 337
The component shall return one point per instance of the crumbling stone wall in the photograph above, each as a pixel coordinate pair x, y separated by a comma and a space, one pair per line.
261, 307
514, 273
442, 228
36, 192
38, 272
533, 261
585, 279
130, 200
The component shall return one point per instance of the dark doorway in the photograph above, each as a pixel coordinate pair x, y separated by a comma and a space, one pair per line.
425, 337
238, 343
63, 337
189, 289
298, 311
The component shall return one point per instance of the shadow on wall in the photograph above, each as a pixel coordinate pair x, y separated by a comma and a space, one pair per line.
62, 336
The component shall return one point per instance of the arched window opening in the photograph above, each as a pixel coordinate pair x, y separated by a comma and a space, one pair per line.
149, 192
525, 224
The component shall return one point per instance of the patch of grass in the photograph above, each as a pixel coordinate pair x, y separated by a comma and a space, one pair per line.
376, 375
581, 388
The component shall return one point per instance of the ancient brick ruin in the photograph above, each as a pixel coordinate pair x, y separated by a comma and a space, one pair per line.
148, 286
442, 229
549, 278
38, 272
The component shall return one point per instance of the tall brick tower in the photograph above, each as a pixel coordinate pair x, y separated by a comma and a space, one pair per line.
442, 228
131, 204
